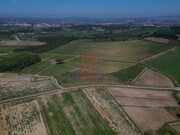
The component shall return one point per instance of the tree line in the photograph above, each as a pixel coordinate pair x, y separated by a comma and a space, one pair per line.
18, 62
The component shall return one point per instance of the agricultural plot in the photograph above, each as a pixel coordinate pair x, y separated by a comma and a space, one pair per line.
145, 107
59, 69
12, 85
153, 78
130, 74
21, 118
168, 63
71, 113
124, 51
111, 112
105, 66
36, 68
48, 61
50, 57
175, 126
74, 79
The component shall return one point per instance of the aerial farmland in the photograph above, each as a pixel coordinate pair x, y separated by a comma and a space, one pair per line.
89, 80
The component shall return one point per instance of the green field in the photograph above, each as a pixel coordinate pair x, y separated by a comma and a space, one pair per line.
129, 74
72, 114
135, 50
168, 64
36, 68
105, 66
46, 63
49, 57
5, 49
58, 69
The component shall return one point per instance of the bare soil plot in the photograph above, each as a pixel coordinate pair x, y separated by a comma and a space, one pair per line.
13, 85
159, 40
145, 107
71, 113
20, 43
21, 118
149, 118
143, 98
111, 112
153, 78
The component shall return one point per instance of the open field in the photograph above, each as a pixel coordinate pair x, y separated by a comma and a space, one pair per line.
168, 63
135, 50
71, 113
111, 112
12, 85
153, 78
20, 43
5, 49
36, 68
103, 66
145, 107
158, 40
59, 69
74, 78
22, 118
47, 61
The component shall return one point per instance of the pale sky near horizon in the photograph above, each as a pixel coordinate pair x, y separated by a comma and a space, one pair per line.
89, 8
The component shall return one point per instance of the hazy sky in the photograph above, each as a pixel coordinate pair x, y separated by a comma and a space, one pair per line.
89, 8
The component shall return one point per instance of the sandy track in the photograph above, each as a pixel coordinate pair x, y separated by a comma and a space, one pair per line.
20, 42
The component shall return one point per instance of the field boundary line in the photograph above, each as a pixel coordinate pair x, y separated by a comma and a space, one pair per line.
71, 59
44, 70
173, 127
158, 55
133, 123
55, 54
139, 75
55, 64
44, 119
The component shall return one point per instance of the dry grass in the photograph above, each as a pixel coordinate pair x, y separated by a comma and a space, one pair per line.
13, 85
21, 118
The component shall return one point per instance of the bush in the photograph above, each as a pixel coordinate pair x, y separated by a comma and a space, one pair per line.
18, 62
168, 34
